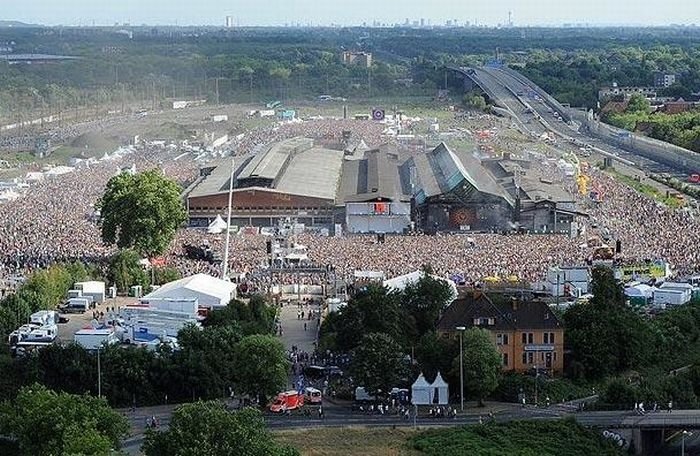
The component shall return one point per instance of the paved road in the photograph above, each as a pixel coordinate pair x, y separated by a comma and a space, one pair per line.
293, 327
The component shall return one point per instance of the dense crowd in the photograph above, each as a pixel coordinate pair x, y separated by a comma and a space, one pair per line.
54, 221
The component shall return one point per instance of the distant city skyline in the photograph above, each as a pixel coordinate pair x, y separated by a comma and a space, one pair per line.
323, 12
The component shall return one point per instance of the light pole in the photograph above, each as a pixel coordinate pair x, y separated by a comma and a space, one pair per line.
461, 330
99, 375
684, 434
224, 272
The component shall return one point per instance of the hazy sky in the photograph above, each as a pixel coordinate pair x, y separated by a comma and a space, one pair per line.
279, 12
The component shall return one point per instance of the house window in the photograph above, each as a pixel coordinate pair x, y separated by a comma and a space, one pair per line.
505, 339
524, 338
499, 339
524, 358
530, 358
505, 359
530, 338
551, 338
545, 338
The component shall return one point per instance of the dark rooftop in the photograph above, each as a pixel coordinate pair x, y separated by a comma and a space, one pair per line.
504, 315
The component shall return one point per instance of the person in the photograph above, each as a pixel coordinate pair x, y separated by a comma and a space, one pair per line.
304, 326
320, 412
481, 421
670, 406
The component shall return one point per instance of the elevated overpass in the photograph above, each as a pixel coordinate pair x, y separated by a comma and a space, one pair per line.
539, 112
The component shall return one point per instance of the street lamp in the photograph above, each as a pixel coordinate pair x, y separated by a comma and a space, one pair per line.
461, 330
684, 434
224, 272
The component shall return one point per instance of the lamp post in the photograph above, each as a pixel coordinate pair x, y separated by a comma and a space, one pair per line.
461, 330
684, 434
99, 375
224, 272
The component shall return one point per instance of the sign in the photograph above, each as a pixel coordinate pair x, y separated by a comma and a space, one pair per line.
377, 114
539, 348
655, 271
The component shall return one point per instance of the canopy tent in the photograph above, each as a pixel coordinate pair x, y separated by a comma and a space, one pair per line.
217, 226
421, 391
441, 392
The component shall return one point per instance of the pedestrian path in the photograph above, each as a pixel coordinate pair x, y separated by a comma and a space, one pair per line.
293, 332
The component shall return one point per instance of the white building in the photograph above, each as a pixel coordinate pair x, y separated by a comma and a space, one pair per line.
209, 291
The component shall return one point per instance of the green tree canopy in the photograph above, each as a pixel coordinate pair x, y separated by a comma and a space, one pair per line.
208, 429
638, 103
378, 363
606, 336
141, 211
49, 423
482, 364
125, 270
261, 366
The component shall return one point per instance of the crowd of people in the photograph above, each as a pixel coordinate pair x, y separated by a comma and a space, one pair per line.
55, 222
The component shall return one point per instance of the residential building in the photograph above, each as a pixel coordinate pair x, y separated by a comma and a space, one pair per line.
363, 59
527, 334
664, 79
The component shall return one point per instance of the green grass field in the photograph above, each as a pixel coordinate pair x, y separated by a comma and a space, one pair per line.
524, 438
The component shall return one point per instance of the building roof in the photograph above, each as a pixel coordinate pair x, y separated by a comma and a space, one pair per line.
203, 284
442, 170
379, 174
293, 166
314, 172
270, 163
511, 315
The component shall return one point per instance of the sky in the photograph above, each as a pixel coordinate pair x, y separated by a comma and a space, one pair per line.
354, 12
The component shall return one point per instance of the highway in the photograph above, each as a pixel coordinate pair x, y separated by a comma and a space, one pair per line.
537, 114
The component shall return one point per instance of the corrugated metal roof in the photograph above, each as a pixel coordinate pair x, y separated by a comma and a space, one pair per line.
314, 172
270, 163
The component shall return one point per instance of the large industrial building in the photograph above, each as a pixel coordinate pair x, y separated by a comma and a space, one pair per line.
382, 190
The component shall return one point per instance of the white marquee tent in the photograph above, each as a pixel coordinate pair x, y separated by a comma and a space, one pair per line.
209, 291
421, 391
217, 226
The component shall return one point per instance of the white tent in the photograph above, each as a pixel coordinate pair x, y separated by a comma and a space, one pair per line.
209, 291
441, 392
217, 226
421, 391
639, 291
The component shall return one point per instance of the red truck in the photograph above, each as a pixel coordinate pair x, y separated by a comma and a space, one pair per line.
287, 401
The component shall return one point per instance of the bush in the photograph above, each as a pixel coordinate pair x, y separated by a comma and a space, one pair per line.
542, 438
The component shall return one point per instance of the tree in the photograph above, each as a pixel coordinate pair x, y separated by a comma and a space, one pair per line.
48, 423
422, 302
207, 428
125, 270
165, 274
606, 336
254, 317
378, 364
372, 310
638, 103
261, 366
141, 211
482, 364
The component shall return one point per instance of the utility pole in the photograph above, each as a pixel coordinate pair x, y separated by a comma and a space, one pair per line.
224, 272
461, 330
99, 375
